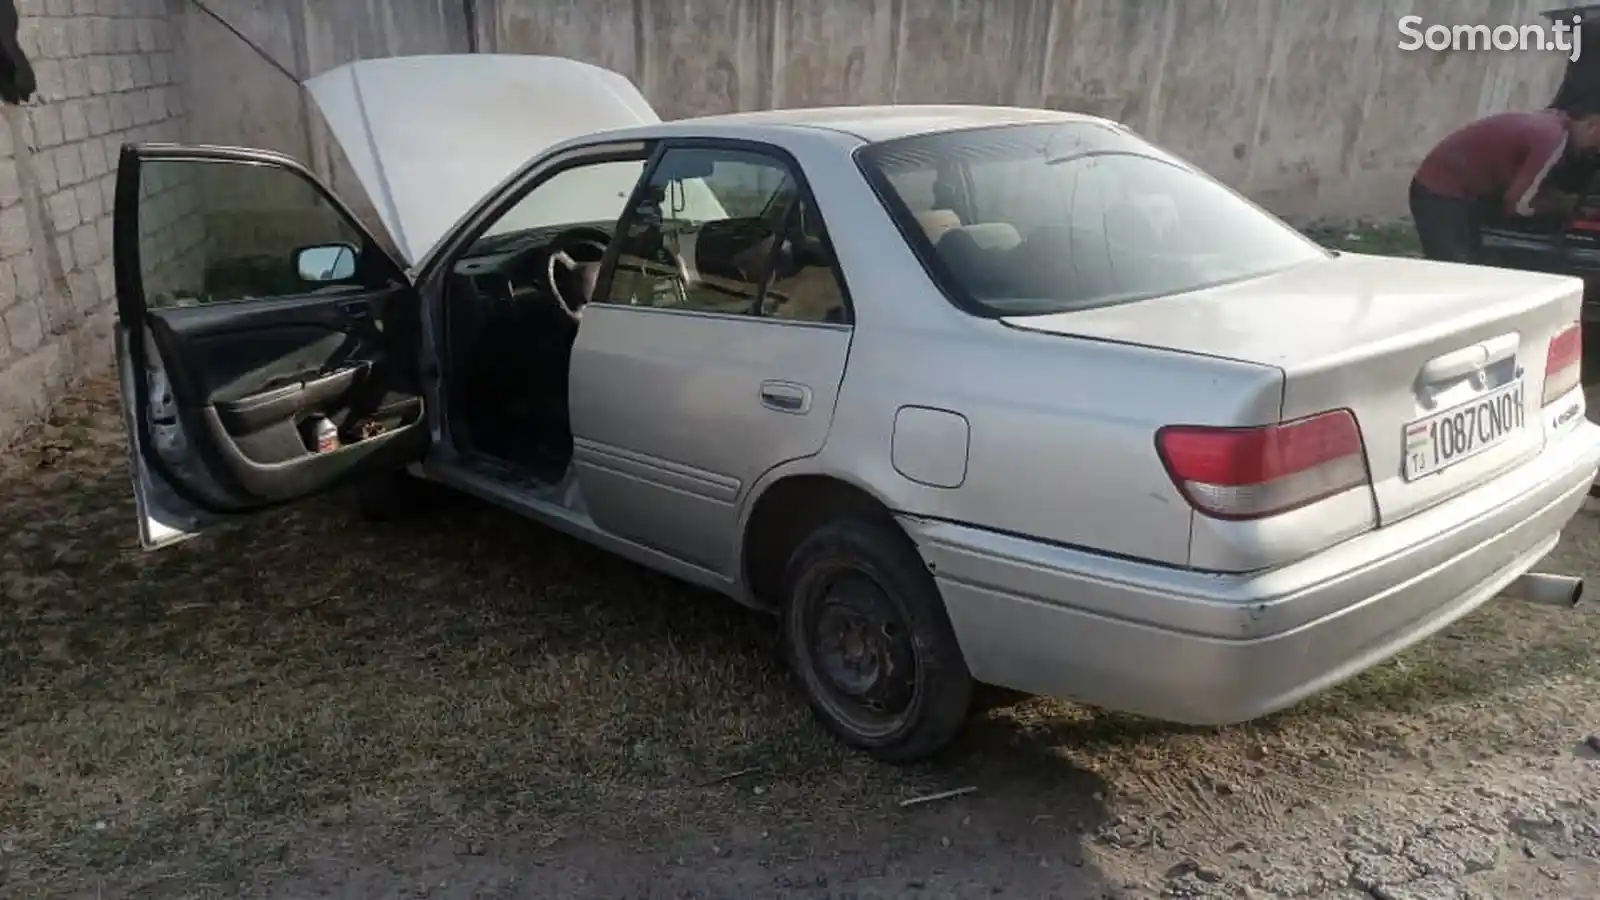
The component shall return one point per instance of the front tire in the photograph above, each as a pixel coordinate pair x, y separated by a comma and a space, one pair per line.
866, 631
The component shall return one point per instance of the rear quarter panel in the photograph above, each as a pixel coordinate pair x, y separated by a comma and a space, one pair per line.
1061, 430
1061, 442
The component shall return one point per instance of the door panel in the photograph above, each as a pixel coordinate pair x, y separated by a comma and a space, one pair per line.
257, 374
252, 307
712, 351
672, 420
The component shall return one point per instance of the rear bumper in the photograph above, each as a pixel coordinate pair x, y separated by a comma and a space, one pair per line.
1211, 649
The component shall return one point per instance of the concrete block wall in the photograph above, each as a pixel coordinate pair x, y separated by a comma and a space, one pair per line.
1309, 108
109, 72
1306, 107
246, 92
116, 71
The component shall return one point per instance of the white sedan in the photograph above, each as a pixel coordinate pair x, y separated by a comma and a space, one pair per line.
964, 395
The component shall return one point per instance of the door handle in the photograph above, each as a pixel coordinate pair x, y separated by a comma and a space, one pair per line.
355, 312
786, 397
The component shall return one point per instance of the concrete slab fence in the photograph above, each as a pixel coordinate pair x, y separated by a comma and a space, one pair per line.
1309, 107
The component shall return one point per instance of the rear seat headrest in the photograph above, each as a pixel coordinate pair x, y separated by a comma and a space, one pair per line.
935, 222
984, 236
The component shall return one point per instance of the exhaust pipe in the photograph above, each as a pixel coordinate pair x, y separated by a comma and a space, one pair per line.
1547, 590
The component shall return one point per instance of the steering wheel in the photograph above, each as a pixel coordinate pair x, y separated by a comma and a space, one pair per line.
572, 250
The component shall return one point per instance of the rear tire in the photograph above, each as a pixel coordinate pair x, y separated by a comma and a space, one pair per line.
866, 631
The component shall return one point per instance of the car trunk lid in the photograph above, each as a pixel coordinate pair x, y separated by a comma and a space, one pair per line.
1404, 344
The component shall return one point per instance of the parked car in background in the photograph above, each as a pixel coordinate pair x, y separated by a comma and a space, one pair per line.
962, 394
1564, 245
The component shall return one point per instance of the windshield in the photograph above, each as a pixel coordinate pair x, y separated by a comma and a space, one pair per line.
587, 194
1039, 219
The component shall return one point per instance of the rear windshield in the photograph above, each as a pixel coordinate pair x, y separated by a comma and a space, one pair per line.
1037, 219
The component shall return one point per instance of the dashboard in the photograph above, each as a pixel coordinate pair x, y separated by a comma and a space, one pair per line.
518, 266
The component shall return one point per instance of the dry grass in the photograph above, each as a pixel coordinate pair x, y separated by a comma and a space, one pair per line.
196, 711
182, 722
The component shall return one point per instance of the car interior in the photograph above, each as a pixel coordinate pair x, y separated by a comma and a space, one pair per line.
511, 315
1023, 235
514, 304
997, 259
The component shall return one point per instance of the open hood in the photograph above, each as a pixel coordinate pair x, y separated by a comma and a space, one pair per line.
429, 136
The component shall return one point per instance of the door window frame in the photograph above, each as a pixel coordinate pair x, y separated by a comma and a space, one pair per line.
803, 194
516, 187
432, 272
132, 305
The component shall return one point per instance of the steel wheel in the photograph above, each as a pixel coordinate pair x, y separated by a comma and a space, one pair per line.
866, 631
862, 653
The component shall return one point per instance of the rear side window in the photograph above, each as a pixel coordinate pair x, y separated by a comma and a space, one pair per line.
1039, 219
725, 230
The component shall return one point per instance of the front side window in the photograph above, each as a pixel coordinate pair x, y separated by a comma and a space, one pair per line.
727, 231
1039, 219
214, 232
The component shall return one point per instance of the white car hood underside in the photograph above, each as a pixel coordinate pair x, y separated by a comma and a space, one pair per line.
429, 136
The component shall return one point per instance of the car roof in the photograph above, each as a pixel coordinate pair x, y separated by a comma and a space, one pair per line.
869, 124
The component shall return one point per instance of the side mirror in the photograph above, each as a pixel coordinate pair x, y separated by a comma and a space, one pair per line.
324, 263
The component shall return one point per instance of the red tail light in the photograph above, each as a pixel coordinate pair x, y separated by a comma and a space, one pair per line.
1563, 363
1252, 473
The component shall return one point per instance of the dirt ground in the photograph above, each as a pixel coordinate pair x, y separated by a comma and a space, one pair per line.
468, 706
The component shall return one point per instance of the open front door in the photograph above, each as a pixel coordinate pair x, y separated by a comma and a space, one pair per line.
267, 346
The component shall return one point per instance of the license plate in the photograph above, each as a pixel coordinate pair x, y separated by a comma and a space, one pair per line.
1446, 438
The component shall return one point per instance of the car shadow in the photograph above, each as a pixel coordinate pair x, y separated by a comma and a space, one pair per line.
472, 589
809, 818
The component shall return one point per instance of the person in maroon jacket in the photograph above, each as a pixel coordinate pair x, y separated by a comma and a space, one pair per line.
1495, 167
